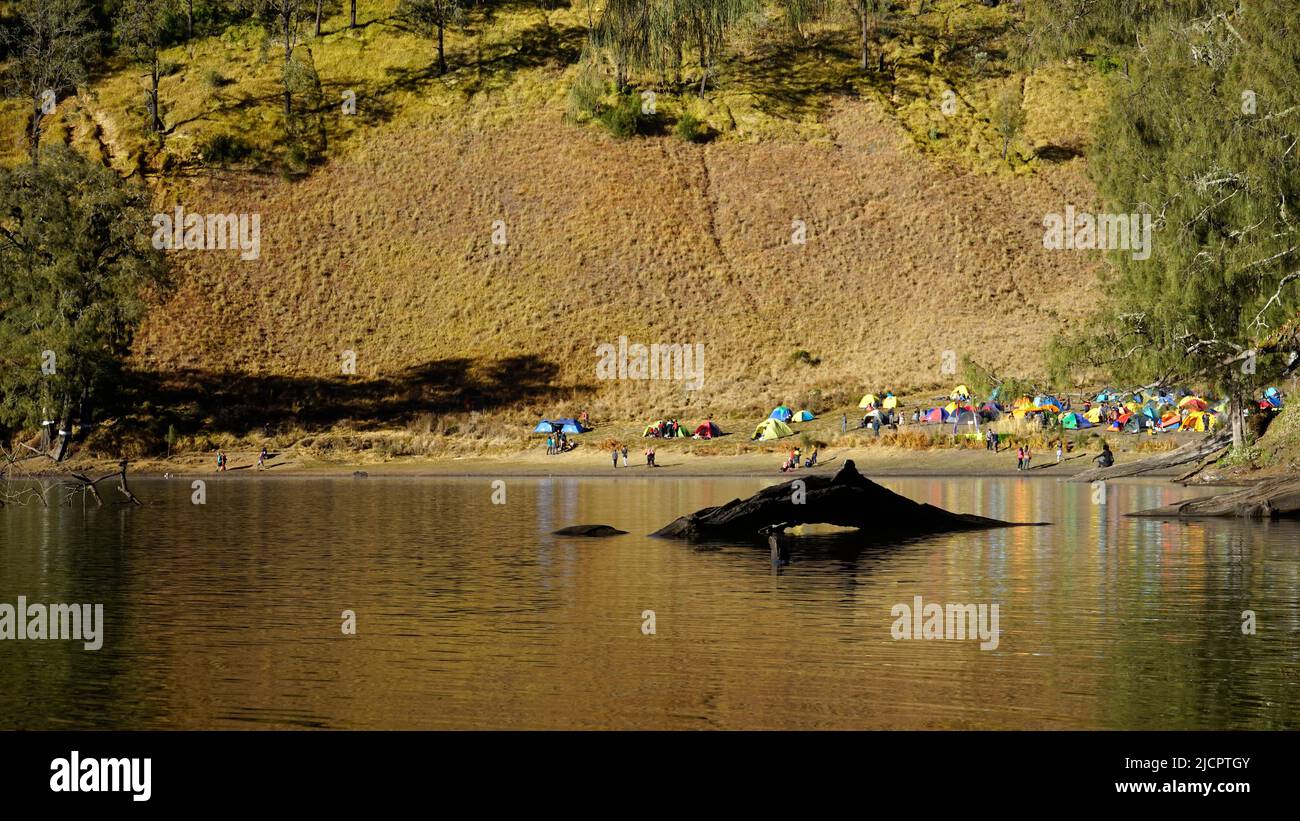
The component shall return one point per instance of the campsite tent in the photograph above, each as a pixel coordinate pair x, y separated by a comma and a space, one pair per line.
1170, 421
1199, 420
1075, 421
804, 416
771, 429
1107, 395
545, 426
890, 402
1046, 402
868, 401
960, 392
1093, 415
573, 427
1272, 399
708, 430
1193, 403
932, 415
782, 413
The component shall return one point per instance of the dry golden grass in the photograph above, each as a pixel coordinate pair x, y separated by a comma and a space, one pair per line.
914, 246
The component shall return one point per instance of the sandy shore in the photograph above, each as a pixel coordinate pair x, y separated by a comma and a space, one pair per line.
674, 461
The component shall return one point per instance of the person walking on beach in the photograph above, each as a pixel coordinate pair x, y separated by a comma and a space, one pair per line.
221, 460
650, 456
1059, 451
614, 454
625, 456
261, 459
550, 446
1029, 456
1020, 458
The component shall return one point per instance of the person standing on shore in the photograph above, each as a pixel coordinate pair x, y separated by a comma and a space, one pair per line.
550, 446
1059, 451
614, 454
625, 456
1020, 458
1029, 456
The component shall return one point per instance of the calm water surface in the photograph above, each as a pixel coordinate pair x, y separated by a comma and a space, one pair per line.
471, 614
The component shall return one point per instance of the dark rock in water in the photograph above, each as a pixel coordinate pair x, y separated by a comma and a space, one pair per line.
848, 499
1270, 499
590, 530
359, 474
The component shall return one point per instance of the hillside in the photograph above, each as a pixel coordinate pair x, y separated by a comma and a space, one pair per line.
918, 241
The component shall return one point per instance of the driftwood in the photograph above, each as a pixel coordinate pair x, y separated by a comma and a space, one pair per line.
1270, 499
848, 499
1190, 452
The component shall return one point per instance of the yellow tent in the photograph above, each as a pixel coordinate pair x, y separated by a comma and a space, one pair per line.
951, 407
868, 401
1193, 402
1093, 415
771, 429
1199, 420
960, 392
891, 402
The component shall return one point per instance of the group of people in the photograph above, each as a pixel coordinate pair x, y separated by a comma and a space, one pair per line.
615, 452
223, 462
1024, 455
792, 461
991, 441
666, 429
559, 442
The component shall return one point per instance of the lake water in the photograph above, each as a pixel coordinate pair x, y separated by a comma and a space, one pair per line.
470, 614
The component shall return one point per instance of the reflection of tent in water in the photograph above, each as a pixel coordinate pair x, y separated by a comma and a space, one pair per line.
708, 430
803, 416
781, 412
772, 429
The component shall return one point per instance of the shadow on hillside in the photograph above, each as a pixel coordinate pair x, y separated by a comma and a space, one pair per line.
787, 84
196, 401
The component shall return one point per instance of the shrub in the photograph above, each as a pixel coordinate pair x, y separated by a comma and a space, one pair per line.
624, 118
691, 129
220, 149
215, 79
587, 91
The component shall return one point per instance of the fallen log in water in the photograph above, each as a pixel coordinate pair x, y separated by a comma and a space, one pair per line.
848, 499
1270, 499
1190, 452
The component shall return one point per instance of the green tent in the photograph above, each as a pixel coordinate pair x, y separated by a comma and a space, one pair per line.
771, 429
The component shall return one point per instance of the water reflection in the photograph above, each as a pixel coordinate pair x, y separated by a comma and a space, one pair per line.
472, 614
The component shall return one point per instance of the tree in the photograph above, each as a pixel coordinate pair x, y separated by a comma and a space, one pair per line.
75, 245
1008, 115
282, 19
1201, 136
49, 46
432, 16
141, 30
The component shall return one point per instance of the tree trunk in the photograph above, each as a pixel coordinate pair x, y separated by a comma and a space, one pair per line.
442, 57
352, 22
189, 20
153, 99
319, 3
1238, 422
34, 140
865, 39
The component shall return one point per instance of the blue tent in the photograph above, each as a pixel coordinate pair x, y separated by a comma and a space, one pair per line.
804, 416
781, 413
572, 427
545, 426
